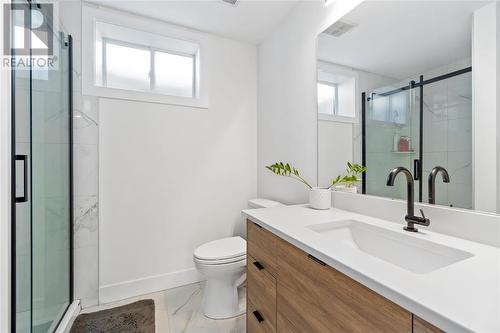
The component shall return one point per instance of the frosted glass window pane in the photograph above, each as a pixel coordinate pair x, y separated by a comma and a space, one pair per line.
399, 108
174, 74
326, 99
127, 67
380, 106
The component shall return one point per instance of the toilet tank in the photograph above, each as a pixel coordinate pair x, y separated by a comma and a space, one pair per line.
263, 203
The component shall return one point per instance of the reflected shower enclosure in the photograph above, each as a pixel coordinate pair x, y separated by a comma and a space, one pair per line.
420, 125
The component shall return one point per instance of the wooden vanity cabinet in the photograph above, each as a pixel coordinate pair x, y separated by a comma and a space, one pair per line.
261, 280
316, 298
261, 245
290, 291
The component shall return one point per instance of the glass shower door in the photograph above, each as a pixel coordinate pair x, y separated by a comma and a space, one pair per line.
51, 190
447, 139
21, 173
388, 140
42, 113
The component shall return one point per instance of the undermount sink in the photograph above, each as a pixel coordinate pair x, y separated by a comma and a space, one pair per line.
410, 253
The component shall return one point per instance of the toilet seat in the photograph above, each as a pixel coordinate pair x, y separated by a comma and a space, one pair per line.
221, 251
220, 261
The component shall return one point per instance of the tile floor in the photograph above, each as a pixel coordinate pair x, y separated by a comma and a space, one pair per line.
178, 310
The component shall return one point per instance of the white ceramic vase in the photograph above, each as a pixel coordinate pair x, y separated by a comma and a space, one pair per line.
320, 198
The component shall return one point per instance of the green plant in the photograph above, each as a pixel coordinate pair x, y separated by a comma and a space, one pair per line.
351, 177
286, 170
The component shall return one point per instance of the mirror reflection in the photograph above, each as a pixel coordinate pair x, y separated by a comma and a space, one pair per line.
413, 89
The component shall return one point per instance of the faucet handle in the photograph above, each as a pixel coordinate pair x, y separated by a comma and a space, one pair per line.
425, 221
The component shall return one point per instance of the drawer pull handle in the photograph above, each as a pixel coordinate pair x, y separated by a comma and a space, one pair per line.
316, 260
258, 316
258, 265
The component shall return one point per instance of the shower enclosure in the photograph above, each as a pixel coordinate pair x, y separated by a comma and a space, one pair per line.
41, 169
423, 124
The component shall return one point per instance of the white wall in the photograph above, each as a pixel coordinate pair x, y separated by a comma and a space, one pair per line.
334, 149
485, 62
172, 178
340, 142
287, 118
498, 102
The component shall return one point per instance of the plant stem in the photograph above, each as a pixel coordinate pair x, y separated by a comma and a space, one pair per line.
300, 179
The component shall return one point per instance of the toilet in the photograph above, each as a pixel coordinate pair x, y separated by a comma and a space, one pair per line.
223, 263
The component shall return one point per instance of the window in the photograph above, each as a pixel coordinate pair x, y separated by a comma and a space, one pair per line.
126, 67
390, 109
336, 88
135, 64
137, 59
136, 67
174, 74
327, 98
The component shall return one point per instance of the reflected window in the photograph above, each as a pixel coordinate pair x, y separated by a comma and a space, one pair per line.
327, 98
336, 89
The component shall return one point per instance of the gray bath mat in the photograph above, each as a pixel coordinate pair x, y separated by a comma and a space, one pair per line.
137, 317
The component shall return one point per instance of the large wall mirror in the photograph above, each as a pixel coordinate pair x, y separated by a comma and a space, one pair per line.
413, 84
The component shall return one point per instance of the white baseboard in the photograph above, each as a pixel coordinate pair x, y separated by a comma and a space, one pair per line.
151, 284
73, 311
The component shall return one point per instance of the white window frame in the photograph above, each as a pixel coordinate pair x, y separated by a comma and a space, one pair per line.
341, 70
92, 14
152, 50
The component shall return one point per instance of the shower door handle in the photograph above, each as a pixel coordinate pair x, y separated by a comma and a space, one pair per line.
24, 197
416, 169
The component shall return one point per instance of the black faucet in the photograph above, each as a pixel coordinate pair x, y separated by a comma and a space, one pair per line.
410, 217
432, 182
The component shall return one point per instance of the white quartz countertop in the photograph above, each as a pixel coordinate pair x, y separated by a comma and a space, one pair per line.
461, 297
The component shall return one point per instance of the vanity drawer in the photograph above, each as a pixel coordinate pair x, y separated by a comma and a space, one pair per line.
261, 293
256, 321
317, 298
261, 245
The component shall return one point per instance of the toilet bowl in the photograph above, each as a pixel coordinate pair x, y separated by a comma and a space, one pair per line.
223, 263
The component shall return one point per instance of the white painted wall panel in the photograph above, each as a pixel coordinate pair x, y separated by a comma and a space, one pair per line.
172, 178
287, 128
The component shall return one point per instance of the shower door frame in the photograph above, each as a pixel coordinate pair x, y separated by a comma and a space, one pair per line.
13, 200
418, 164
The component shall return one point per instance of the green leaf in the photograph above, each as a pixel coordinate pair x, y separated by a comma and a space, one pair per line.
285, 169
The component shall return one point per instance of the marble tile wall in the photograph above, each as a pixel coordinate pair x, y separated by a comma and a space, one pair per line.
85, 168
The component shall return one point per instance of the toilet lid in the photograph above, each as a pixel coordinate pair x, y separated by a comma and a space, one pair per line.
225, 248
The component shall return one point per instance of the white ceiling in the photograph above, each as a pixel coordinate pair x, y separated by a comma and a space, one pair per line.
249, 20
401, 38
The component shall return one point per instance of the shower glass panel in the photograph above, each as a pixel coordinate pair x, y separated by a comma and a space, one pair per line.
447, 139
389, 139
51, 190
42, 272
403, 129
21, 210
